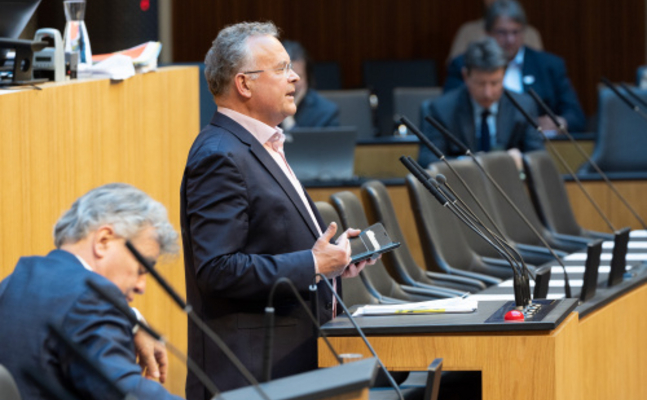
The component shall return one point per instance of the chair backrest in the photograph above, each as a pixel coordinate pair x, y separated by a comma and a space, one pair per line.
434, 373
548, 194
621, 137
503, 169
444, 244
327, 75
379, 208
354, 291
354, 110
352, 215
8, 387
407, 101
382, 76
478, 185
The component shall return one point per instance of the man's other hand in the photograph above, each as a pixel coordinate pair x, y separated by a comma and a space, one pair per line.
151, 356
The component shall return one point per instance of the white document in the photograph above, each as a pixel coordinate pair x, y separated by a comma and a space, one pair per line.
453, 305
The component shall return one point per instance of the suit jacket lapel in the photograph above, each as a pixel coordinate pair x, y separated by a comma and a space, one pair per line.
504, 122
465, 120
268, 162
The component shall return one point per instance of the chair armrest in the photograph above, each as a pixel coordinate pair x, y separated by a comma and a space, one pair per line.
432, 293
526, 248
486, 279
459, 280
449, 291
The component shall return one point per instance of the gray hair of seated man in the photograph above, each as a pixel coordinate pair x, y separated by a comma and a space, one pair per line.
124, 207
504, 8
229, 53
484, 55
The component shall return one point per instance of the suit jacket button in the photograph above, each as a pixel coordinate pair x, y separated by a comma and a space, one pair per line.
329, 305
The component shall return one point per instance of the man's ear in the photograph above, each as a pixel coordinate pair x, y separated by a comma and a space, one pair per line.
465, 73
243, 85
102, 240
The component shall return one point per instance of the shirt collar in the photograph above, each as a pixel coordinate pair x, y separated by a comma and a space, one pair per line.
478, 110
518, 58
262, 132
85, 264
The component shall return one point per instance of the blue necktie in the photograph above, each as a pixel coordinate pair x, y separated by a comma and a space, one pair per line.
484, 141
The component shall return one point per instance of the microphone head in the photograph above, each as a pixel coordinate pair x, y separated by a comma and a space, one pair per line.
440, 178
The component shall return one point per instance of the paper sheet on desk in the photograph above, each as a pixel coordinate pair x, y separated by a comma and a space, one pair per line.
453, 305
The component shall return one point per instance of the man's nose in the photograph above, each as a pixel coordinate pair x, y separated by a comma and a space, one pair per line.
140, 285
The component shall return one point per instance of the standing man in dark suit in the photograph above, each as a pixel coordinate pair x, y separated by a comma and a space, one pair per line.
90, 240
505, 21
246, 219
477, 113
313, 110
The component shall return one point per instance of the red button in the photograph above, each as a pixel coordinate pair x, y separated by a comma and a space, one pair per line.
514, 315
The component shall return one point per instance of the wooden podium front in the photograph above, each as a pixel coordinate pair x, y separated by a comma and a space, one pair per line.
514, 364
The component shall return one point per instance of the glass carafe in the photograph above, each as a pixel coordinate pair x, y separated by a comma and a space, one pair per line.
76, 35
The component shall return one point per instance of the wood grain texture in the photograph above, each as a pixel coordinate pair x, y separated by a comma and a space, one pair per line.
68, 138
595, 37
513, 366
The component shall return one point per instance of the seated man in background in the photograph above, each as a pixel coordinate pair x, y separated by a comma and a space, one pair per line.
527, 68
90, 240
475, 30
313, 110
477, 113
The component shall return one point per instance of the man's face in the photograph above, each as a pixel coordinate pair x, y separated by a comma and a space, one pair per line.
301, 85
509, 34
272, 92
484, 87
120, 266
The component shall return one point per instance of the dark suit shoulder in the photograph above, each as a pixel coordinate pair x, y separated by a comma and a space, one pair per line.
544, 58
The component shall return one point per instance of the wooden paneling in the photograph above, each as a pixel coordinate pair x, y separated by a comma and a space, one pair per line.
595, 37
60, 142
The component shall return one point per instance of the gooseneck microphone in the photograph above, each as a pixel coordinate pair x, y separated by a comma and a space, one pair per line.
588, 158
428, 143
269, 326
448, 135
554, 151
521, 284
624, 98
633, 95
191, 365
188, 310
81, 355
360, 332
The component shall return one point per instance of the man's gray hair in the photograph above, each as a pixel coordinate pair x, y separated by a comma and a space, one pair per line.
484, 55
504, 8
229, 53
124, 207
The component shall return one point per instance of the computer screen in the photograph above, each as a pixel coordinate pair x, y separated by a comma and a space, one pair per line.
14, 16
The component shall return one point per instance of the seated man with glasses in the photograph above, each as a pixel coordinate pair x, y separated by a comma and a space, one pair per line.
505, 21
90, 240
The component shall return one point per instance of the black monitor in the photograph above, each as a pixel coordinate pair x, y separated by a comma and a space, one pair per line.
14, 16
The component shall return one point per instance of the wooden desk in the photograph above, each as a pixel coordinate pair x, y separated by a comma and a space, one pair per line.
60, 142
524, 365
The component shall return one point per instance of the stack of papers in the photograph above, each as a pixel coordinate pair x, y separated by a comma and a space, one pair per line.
141, 59
453, 305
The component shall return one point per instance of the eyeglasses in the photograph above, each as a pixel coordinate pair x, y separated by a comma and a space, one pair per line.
285, 69
147, 264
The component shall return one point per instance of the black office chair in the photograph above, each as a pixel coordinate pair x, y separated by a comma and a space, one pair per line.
532, 255
382, 76
379, 282
354, 110
444, 245
503, 169
548, 195
8, 387
354, 290
424, 386
400, 262
407, 101
621, 137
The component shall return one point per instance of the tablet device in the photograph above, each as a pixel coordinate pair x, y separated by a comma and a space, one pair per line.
590, 282
370, 243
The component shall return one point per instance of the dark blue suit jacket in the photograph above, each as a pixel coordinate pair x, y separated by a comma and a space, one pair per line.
549, 79
455, 112
52, 290
243, 227
316, 111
